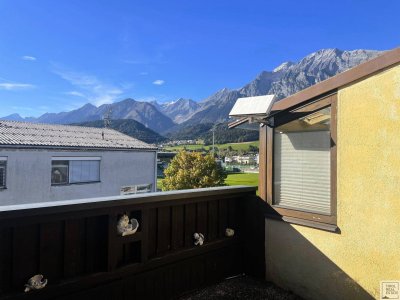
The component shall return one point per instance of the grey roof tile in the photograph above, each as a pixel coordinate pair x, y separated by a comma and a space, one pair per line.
49, 135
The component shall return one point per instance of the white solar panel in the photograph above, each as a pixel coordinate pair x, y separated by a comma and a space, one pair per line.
252, 106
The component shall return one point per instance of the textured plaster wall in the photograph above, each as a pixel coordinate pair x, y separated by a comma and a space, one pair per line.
29, 175
350, 265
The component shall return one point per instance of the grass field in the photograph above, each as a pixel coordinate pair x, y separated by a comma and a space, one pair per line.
235, 146
233, 179
242, 179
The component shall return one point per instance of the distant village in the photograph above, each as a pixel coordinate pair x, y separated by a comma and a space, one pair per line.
231, 160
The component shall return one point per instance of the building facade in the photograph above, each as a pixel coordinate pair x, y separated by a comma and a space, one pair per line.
329, 176
40, 163
333, 228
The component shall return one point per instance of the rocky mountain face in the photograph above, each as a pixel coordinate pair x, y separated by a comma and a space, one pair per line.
142, 112
283, 81
179, 111
287, 79
13, 117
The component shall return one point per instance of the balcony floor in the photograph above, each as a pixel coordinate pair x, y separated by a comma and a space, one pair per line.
241, 288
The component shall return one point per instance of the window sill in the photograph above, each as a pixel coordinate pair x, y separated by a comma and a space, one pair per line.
75, 183
312, 224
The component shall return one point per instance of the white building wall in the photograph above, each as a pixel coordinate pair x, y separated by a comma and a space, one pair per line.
29, 175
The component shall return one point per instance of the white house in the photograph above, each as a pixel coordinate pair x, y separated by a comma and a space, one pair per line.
42, 162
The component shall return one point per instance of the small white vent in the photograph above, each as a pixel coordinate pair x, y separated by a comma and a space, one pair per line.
136, 189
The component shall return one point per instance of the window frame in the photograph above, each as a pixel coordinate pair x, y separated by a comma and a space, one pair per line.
4, 162
51, 172
298, 216
75, 158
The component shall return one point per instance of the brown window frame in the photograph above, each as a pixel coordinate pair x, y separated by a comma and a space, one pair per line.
311, 219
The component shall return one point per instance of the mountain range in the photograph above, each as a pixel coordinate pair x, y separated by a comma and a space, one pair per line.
129, 127
288, 78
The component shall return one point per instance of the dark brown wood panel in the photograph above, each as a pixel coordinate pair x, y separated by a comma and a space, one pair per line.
213, 220
253, 214
144, 228
222, 217
96, 244
74, 245
177, 227
233, 214
52, 250
262, 174
269, 172
334, 158
139, 289
5, 259
163, 230
201, 219
190, 224
82, 255
152, 233
25, 254
114, 250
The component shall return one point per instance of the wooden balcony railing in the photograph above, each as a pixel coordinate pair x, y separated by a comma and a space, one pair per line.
76, 246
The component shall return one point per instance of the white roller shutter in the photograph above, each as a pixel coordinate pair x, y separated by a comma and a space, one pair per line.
84, 171
302, 170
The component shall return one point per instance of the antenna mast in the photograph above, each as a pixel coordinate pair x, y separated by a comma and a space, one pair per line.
107, 117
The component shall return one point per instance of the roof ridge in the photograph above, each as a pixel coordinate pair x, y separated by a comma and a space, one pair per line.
55, 124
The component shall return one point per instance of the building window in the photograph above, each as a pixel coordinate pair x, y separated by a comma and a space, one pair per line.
59, 172
3, 173
302, 163
303, 157
75, 170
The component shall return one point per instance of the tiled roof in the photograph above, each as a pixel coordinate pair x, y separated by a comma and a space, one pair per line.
48, 135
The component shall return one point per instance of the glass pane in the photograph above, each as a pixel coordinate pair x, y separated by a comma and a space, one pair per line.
94, 170
84, 171
302, 163
75, 173
59, 172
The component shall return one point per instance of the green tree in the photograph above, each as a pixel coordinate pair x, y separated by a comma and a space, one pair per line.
253, 148
190, 170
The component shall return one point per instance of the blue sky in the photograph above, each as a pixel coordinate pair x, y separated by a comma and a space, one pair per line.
58, 55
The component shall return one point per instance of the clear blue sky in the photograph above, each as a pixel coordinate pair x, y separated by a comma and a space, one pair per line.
59, 55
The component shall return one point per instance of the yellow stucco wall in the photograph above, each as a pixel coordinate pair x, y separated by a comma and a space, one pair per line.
320, 265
